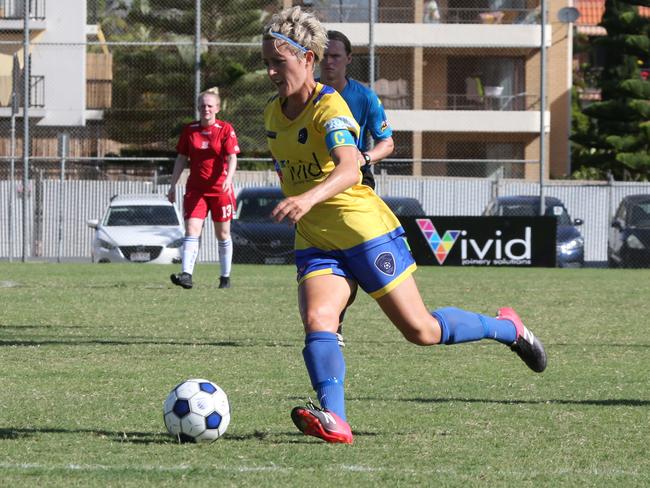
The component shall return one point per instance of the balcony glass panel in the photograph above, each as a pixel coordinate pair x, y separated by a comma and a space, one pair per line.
15, 9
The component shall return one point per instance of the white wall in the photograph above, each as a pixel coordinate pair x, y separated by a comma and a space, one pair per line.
55, 55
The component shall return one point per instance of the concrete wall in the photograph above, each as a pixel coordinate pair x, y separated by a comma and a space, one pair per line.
63, 64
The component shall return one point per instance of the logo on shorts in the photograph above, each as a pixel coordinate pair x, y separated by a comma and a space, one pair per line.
385, 263
302, 135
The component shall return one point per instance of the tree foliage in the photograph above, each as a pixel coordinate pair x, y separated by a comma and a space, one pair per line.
612, 135
153, 85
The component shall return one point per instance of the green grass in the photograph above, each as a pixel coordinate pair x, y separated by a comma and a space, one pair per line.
89, 352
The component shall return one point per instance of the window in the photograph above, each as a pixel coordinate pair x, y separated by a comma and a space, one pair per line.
501, 79
141, 215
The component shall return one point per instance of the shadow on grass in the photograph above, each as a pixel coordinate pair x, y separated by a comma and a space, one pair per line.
611, 402
46, 327
118, 342
122, 437
162, 438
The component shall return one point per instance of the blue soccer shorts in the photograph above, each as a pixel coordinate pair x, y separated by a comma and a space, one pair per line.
378, 265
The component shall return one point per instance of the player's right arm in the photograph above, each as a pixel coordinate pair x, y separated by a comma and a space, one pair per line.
182, 151
179, 165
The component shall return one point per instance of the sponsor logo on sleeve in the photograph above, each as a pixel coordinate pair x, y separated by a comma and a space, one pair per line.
340, 122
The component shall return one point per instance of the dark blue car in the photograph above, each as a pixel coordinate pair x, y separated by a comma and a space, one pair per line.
570, 244
628, 245
256, 238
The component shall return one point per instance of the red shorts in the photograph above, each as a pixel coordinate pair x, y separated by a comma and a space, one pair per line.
222, 206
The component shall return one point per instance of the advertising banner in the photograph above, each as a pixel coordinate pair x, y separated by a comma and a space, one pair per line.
482, 241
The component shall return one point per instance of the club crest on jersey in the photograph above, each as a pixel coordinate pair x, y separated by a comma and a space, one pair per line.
205, 144
385, 263
302, 135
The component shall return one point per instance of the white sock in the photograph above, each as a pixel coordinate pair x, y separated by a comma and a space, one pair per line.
225, 256
190, 252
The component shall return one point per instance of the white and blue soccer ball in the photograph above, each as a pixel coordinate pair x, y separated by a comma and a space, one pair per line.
197, 410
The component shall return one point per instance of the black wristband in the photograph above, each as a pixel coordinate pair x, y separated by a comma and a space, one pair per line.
366, 156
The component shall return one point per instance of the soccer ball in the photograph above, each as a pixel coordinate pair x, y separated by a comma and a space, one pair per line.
197, 410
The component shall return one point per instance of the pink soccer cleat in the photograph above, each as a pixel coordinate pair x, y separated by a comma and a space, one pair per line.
321, 423
527, 346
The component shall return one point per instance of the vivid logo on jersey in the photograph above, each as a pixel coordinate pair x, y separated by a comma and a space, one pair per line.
298, 171
441, 246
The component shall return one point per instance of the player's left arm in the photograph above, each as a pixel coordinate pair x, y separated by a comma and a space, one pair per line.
380, 131
231, 161
232, 149
383, 148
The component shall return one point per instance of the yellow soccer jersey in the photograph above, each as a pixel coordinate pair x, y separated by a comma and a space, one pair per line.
302, 160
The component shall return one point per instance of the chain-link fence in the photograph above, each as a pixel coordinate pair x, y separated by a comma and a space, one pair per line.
608, 218
107, 86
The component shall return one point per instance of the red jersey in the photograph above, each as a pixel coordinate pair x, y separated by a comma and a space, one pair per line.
207, 149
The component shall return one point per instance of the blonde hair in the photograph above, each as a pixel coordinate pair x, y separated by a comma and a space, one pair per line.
301, 27
214, 91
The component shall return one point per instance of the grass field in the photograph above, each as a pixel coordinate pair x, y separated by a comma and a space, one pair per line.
88, 353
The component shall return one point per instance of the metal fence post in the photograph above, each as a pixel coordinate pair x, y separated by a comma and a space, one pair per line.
26, 101
197, 56
15, 80
63, 152
542, 109
610, 198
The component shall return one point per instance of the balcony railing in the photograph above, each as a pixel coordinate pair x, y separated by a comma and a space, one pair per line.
37, 91
15, 9
503, 102
358, 11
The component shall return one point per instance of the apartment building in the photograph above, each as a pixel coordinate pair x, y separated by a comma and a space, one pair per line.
428, 55
69, 86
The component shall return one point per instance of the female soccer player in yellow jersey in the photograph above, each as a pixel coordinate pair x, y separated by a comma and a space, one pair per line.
345, 235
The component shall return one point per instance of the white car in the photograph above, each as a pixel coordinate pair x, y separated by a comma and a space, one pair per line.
138, 229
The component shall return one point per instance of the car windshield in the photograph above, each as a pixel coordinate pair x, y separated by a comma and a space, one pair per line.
141, 215
257, 207
531, 210
640, 214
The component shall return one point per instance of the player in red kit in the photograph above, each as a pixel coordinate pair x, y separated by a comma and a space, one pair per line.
210, 146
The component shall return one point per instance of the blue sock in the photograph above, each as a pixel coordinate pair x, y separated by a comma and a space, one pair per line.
461, 326
326, 368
